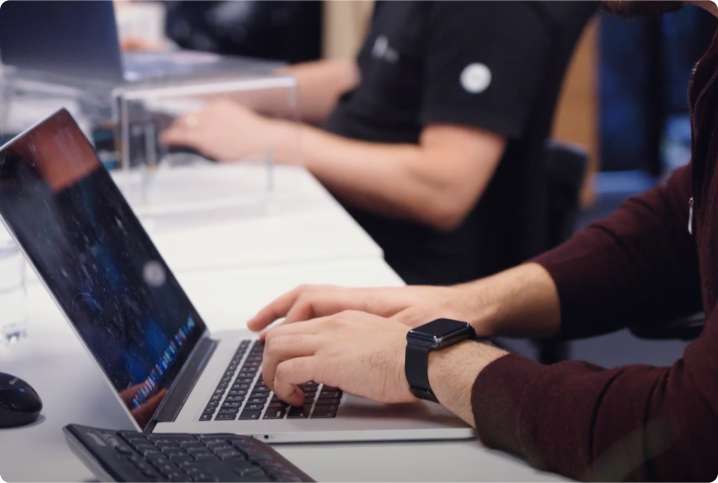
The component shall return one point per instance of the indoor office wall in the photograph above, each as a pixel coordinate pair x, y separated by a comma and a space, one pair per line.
576, 120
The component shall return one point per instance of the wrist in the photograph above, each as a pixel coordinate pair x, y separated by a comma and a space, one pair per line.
286, 136
477, 308
453, 371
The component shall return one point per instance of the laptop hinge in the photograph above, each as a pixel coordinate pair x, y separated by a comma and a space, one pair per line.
185, 383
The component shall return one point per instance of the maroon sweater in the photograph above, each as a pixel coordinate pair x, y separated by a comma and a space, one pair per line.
639, 266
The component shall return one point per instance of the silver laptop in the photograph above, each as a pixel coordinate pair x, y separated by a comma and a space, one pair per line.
79, 40
167, 369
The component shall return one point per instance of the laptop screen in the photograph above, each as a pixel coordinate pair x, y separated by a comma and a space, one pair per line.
95, 257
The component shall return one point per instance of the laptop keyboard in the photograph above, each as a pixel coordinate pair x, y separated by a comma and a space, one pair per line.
241, 393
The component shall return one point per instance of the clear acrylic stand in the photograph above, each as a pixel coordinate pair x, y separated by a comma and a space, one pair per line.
161, 184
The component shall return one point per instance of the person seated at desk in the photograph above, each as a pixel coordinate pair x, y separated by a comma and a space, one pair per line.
652, 260
432, 138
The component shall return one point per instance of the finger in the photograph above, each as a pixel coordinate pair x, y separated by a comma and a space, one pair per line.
282, 348
301, 311
290, 374
276, 309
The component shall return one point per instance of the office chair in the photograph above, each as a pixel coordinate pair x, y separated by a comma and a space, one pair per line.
685, 328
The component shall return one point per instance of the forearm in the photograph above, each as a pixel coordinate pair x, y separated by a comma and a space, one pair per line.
408, 181
320, 84
452, 373
519, 302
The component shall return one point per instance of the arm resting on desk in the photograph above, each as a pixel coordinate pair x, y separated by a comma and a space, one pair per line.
436, 182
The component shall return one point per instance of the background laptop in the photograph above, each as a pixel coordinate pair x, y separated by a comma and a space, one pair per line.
171, 374
79, 39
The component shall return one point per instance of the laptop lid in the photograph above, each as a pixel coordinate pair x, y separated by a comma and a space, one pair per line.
99, 263
78, 39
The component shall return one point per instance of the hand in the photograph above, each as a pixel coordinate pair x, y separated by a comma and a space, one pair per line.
226, 131
359, 353
413, 305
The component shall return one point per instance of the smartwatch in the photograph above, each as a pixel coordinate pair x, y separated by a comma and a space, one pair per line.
435, 335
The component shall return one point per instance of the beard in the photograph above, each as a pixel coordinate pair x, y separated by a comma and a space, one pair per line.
629, 8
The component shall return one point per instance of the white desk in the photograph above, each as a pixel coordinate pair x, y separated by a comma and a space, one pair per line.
53, 360
228, 216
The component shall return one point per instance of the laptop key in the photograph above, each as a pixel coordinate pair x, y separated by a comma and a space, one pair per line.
298, 412
226, 417
275, 413
324, 412
254, 407
251, 414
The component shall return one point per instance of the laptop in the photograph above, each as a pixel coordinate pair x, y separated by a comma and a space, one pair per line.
167, 369
79, 40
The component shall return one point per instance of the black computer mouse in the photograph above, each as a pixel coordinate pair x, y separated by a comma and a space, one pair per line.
19, 403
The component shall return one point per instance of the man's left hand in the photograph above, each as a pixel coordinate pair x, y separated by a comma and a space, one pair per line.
359, 353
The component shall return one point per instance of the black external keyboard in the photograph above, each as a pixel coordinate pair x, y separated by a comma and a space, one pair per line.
245, 396
134, 456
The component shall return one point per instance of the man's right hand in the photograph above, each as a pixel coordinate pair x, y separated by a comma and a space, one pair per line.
413, 306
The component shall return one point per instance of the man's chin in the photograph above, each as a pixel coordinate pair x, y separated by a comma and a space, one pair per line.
639, 7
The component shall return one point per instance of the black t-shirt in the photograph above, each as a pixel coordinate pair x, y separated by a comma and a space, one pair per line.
493, 65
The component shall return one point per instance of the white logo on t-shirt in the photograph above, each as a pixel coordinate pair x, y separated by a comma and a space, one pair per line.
1, 480
382, 50
475, 78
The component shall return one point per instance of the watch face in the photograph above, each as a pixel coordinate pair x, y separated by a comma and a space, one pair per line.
439, 330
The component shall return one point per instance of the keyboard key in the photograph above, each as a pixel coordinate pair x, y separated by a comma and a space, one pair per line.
254, 407
157, 460
203, 455
275, 413
324, 412
226, 417
152, 453
298, 412
122, 449
251, 414
166, 469
229, 453
221, 447
175, 476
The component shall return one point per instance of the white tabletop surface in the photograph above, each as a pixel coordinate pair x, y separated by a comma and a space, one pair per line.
229, 216
53, 360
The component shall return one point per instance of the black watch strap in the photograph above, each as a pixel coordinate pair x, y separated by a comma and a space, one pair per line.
416, 367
